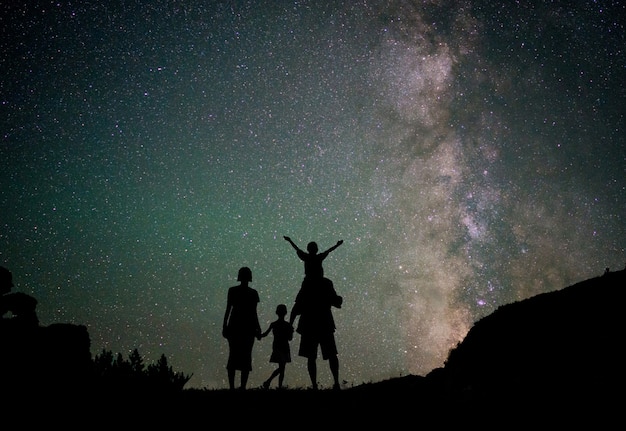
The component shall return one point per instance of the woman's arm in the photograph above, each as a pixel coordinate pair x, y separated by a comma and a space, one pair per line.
264, 334
225, 324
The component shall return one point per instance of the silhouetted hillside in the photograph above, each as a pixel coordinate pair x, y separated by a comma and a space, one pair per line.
566, 342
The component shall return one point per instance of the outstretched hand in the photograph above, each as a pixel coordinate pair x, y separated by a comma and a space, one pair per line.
339, 242
287, 238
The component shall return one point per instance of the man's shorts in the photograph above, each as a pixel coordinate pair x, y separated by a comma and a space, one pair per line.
309, 343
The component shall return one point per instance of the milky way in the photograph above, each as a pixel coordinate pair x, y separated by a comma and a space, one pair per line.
469, 156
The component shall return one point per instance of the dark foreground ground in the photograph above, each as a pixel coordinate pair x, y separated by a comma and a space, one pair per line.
553, 361
410, 402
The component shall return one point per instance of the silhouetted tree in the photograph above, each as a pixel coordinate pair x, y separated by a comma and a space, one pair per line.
122, 368
136, 363
164, 376
132, 373
103, 363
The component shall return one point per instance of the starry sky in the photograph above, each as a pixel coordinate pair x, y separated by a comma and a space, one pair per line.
469, 155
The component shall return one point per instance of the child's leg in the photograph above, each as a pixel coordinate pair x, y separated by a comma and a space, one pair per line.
266, 384
281, 374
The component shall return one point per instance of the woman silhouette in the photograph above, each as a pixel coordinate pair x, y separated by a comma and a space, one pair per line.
241, 326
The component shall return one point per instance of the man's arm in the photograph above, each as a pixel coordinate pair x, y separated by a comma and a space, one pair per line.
335, 300
295, 311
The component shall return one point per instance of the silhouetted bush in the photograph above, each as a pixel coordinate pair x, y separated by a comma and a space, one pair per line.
115, 372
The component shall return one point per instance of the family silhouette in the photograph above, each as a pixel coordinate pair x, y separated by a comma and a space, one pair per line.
312, 308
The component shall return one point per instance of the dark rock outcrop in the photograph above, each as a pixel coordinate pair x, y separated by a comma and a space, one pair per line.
45, 358
565, 343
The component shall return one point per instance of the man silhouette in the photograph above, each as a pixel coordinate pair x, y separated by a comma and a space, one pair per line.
316, 326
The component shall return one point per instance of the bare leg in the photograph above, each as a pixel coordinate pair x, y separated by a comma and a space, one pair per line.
244, 379
333, 362
231, 378
267, 383
312, 367
281, 374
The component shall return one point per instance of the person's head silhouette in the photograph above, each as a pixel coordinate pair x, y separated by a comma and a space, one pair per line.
312, 247
244, 275
281, 310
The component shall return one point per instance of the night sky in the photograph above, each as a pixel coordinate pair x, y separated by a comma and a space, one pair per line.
469, 156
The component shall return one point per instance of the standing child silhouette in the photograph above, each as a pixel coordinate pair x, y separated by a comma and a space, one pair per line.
281, 352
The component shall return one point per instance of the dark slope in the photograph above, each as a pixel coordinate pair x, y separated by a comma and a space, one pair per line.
565, 342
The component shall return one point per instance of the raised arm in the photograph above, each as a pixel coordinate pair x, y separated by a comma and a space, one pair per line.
292, 243
334, 246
